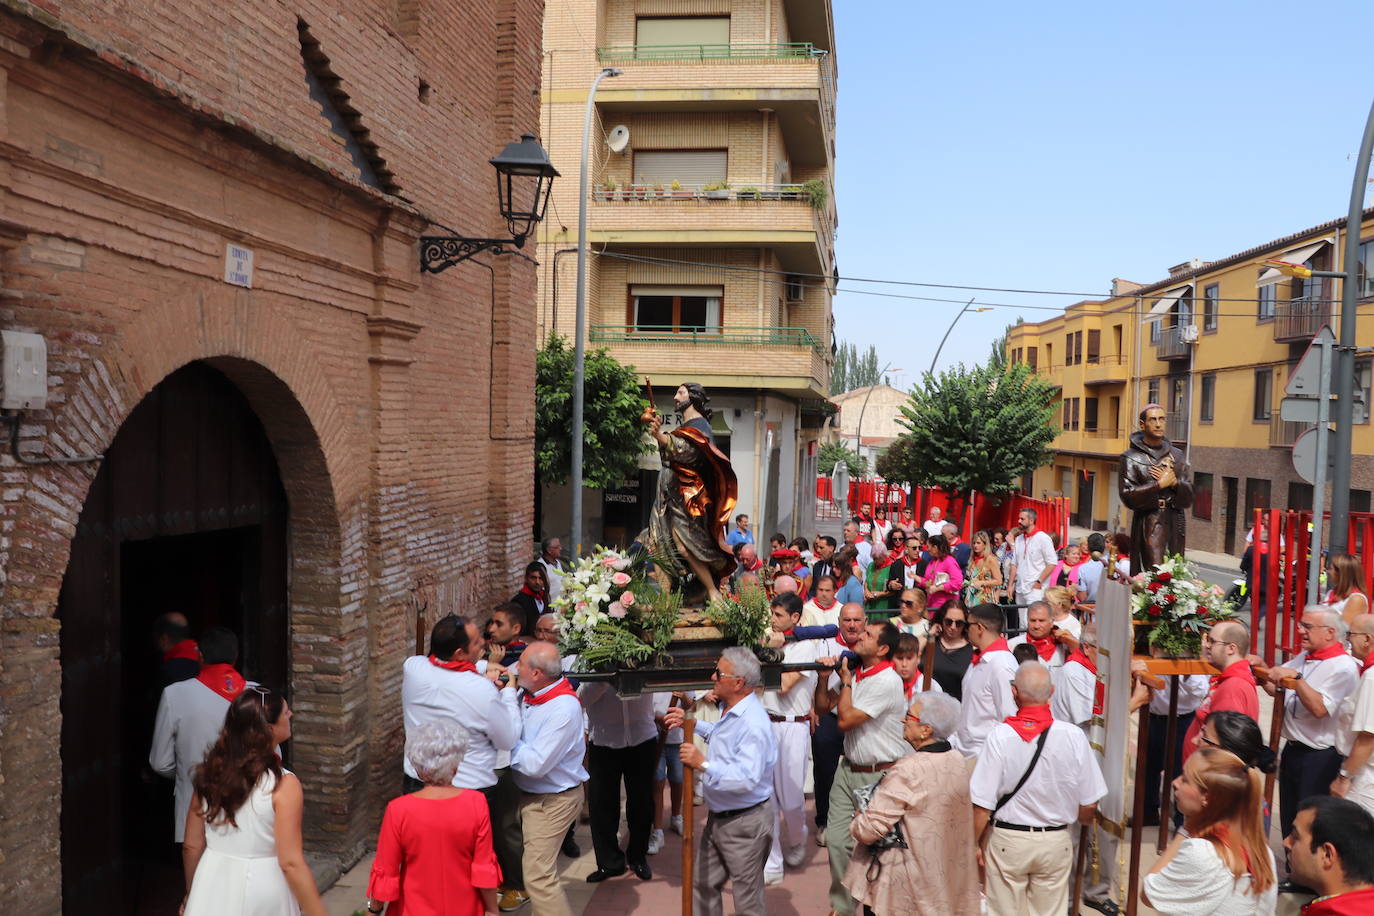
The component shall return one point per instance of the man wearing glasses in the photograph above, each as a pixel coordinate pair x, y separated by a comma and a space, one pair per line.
1322, 676
1234, 688
737, 785
1355, 737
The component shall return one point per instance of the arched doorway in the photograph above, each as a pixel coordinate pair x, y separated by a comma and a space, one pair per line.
187, 513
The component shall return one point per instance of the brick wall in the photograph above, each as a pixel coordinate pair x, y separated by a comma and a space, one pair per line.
136, 140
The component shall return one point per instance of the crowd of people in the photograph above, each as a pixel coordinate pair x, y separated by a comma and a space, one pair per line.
952, 790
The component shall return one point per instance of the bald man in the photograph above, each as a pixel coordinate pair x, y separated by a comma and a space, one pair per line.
1225, 647
1355, 718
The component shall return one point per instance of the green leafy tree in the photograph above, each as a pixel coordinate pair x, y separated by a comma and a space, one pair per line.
832, 453
853, 369
613, 435
896, 462
976, 429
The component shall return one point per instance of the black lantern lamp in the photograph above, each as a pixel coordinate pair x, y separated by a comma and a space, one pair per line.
524, 179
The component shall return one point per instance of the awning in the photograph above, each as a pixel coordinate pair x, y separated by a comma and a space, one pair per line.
1300, 255
1169, 299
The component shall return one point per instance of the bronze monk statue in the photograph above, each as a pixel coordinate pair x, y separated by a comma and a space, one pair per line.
1156, 482
697, 490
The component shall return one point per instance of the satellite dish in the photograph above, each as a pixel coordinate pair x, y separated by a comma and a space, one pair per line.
618, 138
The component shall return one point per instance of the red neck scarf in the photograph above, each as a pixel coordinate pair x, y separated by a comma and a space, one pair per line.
223, 680
1367, 663
839, 638
1000, 645
824, 607
187, 648
457, 664
871, 670
1030, 721
1239, 668
1045, 646
752, 567
887, 561
537, 596
1077, 656
790, 631
560, 689
1330, 651
910, 685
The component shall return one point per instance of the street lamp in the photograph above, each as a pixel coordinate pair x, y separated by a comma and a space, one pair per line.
580, 325
522, 205
858, 433
950, 329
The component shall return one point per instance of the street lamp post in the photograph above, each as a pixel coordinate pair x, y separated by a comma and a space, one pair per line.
859, 432
580, 325
950, 330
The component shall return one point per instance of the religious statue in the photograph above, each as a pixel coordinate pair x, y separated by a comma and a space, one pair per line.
696, 494
1155, 482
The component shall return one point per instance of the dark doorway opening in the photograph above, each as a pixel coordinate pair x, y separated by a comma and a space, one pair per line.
187, 513
1229, 512
1082, 516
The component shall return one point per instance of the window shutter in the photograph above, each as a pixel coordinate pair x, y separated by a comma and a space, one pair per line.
1094, 346
689, 30
691, 168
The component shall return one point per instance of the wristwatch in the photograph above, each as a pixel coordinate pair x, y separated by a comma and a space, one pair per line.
1297, 675
1343, 774
705, 765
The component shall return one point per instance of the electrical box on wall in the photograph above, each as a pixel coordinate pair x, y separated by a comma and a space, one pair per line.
23, 371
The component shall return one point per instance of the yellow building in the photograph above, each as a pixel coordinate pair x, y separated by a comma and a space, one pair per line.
711, 223
1214, 343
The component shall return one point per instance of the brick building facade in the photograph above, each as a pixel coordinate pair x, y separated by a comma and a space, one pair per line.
393, 412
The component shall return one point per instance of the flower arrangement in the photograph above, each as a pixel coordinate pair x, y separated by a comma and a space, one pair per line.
611, 614
1176, 607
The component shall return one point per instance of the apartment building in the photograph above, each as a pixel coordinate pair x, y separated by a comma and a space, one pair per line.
711, 226
1215, 343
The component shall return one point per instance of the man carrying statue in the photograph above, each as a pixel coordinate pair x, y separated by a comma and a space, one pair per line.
1155, 482
696, 494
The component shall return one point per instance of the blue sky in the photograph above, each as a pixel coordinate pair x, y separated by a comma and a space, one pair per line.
1058, 145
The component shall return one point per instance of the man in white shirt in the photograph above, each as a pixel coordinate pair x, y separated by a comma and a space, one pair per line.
870, 705
935, 523
1040, 636
551, 558
623, 748
444, 686
1323, 675
827, 743
1355, 736
547, 766
1032, 554
789, 710
863, 549
1024, 833
986, 689
190, 715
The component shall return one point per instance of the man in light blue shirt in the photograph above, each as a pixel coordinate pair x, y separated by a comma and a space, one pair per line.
741, 534
737, 785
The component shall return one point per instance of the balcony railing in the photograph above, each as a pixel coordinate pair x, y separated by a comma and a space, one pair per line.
1172, 343
1298, 319
792, 50
1176, 427
641, 193
1283, 433
691, 336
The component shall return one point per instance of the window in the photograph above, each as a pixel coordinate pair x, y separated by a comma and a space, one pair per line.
1154, 331
1049, 356
675, 308
692, 168
1068, 350
1364, 282
1094, 347
1178, 397
1267, 297
1202, 495
1264, 395
1071, 414
1152, 391
1015, 355
1364, 375
1090, 415
1116, 341
1314, 287
1032, 358
1207, 398
1183, 310
679, 31
1359, 502
1211, 301
1300, 496
1076, 402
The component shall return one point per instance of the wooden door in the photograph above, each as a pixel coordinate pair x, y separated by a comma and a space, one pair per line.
186, 513
1228, 512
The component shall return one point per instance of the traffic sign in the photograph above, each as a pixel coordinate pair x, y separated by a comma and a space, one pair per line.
1306, 378
1305, 454
1298, 410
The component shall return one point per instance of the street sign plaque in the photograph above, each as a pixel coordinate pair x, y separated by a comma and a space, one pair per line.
1306, 378
1298, 410
1305, 454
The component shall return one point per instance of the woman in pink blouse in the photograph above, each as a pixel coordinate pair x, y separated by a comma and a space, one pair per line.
943, 579
434, 854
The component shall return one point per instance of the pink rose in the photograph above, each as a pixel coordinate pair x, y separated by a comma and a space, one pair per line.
616, 610
581, 605
608, 562
620, 579
628, 599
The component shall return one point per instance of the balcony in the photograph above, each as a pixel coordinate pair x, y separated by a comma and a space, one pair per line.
685, 53
1174, 342
1300, 319
1105, 370
1176, 427
1283, 433
788, 360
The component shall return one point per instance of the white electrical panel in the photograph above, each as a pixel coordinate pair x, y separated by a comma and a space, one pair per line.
24, 363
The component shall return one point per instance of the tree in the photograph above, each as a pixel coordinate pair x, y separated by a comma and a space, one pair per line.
854, 370
832, 453
976, 429
896, 462
613, 435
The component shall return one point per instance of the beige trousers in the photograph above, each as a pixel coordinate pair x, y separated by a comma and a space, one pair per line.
544, 820
1027, 873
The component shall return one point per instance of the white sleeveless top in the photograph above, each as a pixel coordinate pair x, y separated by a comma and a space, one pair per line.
238, 874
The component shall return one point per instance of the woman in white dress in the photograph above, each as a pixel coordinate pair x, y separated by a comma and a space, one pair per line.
1220, 865
243, 854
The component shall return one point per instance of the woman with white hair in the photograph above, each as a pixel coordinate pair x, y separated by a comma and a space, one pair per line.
434, 853
925, 794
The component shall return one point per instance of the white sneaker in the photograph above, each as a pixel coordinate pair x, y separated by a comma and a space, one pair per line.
795, 857
675, 824
655, 842
771, 878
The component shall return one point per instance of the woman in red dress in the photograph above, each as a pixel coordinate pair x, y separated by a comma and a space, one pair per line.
434, 854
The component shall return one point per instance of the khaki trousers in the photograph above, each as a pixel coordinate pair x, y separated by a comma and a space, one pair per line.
1028, 873
838, 841
545, 820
